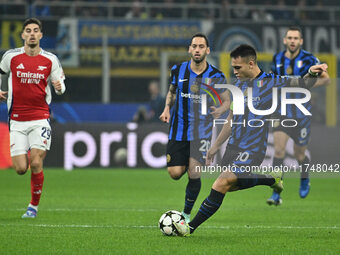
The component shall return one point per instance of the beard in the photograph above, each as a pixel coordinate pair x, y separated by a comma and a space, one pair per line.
295, 50
198, 60
32, 45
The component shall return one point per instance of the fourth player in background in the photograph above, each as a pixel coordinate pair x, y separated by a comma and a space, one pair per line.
294, 61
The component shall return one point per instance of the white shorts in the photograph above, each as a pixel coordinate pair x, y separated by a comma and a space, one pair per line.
26, 135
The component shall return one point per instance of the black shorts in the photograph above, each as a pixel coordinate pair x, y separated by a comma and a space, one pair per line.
179, 152
300, 134
240, 160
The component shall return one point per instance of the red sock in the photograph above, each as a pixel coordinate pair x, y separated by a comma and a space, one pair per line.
37, 181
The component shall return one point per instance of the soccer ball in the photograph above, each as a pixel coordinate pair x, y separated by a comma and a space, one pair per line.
166, 222
120, 156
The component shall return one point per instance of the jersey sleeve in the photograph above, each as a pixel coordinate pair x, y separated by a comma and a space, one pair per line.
220, 79
174, 75
5, 64
315, 61
57, 74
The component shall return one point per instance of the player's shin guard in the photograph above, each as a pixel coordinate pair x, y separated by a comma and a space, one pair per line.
209, 206
191, 193
37, 181
304, 168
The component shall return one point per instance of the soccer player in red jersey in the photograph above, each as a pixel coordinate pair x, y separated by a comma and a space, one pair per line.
32, 71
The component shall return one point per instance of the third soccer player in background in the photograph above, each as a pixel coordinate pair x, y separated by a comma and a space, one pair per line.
294, 61
31, 71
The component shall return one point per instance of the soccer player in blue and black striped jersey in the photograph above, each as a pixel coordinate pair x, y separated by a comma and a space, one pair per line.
190, 129
248, 132
294, 61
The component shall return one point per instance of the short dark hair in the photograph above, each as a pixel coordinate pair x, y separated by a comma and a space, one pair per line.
244, 50
295, 28
200, 35
32, 21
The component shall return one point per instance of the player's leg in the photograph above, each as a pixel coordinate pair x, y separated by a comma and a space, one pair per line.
301, 138
177, 156
231, 180
19, 146
20, 163
299, 153
176, 172
280, 142
39, 139
193, 187
224, 183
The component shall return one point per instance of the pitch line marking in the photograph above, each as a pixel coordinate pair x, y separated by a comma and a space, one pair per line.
154, 226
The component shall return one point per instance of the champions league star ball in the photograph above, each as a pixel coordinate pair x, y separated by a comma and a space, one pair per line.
166, 222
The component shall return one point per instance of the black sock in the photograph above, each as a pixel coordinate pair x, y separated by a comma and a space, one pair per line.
277, 162
207, 209
191, 194
304, 168
248, 180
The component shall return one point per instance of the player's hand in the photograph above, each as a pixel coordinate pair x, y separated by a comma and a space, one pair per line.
165, 116
216, 112
319, 68
56, 85
3, 95
211, 154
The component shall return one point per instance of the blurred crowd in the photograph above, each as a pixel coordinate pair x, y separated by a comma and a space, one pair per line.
256, 10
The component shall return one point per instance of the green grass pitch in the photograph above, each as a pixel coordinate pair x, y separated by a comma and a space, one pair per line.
96, 211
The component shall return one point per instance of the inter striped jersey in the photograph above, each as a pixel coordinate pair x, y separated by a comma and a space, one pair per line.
187, 121
29, 93
297, 67
247, 132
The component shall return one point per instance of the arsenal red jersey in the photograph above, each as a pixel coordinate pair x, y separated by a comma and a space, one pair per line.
29, 92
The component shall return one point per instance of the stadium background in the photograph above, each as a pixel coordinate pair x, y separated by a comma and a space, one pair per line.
111, 50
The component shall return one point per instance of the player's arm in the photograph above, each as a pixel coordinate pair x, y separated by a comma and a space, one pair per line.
322, 80
309, 80
57, 77
2, 93
169, 101
217, 112
59, 86
221, 138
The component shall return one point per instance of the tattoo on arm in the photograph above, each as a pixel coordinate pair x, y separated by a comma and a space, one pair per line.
171, 96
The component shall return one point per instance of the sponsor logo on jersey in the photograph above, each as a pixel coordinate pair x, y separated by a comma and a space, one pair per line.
29, 78
41, 68
21, 66
30, 75
191, 96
